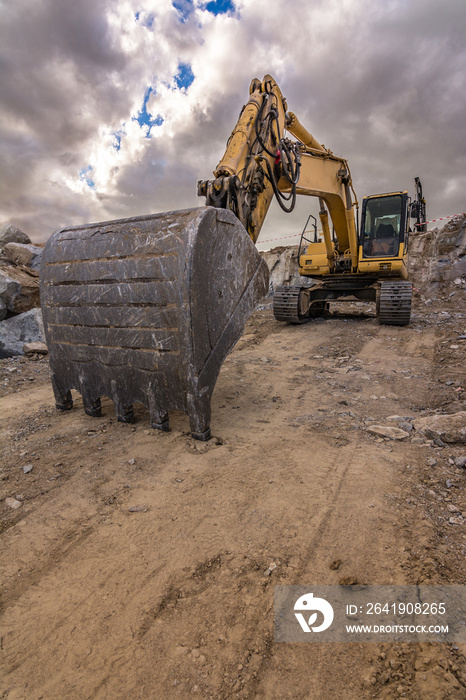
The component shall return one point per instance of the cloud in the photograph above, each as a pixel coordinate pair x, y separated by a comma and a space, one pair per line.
117, 108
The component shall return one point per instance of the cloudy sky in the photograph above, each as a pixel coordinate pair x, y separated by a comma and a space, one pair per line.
113, 108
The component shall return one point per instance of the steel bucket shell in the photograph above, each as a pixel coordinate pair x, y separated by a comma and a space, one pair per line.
146, 309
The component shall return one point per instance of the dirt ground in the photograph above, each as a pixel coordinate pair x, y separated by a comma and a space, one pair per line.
141, 564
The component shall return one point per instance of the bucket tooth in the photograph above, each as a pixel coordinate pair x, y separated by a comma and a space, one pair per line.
66, 402
206, 435
158, 418
63, 399
199, 414
146, 310
93, 408
163, 425
125, 414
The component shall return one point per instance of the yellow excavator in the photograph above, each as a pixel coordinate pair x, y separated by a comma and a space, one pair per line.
368, 264
145, 310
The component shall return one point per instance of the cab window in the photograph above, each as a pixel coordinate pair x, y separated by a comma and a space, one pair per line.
382, 226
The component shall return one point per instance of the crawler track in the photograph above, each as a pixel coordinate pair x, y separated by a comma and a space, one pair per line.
394, 308
286, 305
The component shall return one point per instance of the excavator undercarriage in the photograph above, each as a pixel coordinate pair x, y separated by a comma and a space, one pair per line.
294, 304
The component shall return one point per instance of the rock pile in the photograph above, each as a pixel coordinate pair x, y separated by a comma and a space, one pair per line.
437, 258
20, 315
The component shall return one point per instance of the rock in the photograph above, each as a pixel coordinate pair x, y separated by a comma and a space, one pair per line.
460, 461
18, 330
456, 520
138, 509
33, 348
404, 425
444, 428
348, 581
283, 267
388, 431
432, 462
12, 234
3, 310
24, 254
27, 468
438, 256
13, 503
19, 290
453, 509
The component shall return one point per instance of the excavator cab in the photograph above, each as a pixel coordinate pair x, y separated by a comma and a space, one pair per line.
383, 238
383, 226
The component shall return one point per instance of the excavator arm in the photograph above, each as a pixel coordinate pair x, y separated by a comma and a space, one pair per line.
246, 175
260, 162
327, 177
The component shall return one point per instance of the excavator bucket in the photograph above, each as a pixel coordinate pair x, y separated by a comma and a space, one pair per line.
146, 310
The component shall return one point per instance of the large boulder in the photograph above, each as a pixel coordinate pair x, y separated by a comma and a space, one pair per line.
21, 329
19, 290
24, 254
12, 234
449, 428
283, 267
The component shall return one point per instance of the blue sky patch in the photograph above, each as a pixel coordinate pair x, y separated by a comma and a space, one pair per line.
216, 7
117, 136
184, 8
144, 118
147, 20
220, 7
85, 175
184, 75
